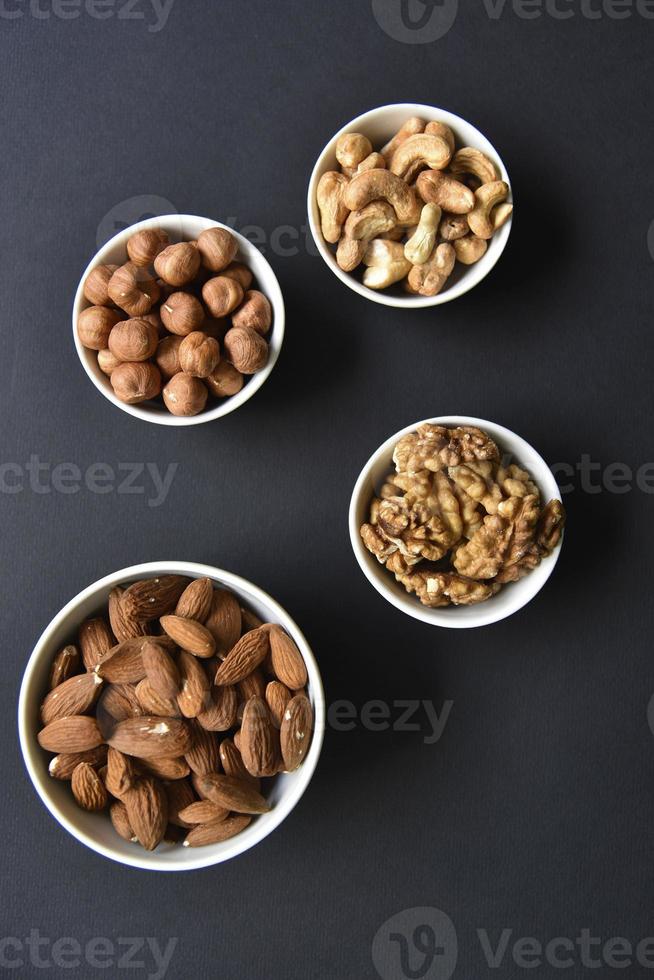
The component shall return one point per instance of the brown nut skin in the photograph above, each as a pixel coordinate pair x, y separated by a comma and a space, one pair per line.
185, 395
199, 355
255, 313
246, 349
241, 273
133, 290
181, 313
222, 295
453, 227
178, 264
95, 324
218, 248
133, 340
134, 383
107, 361
225, 380
167, 356
144, 246
97, 281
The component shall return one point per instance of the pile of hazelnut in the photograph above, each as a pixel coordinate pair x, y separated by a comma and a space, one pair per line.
178, 320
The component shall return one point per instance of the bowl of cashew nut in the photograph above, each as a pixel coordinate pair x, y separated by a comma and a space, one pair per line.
410, 205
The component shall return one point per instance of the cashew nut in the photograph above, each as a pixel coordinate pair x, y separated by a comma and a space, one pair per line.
470, 249
333, 211
500, 215
386, 264
374, 185
441, 129
453, 226
450, 194
428, 279
421, 244
376, 219
373, 162
351, 149
410, 128
423, 150
471, 161
350, 252
487, 197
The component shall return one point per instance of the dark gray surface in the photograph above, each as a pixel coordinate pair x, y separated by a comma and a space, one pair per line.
534, 811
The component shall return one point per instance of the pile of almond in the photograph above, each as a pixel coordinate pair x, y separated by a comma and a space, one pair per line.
177, 320
172, 708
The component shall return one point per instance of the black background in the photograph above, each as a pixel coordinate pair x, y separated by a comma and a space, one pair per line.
534, 811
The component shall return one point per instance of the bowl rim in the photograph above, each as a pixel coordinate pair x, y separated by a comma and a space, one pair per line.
233, 402
193, 859
472, 276
486, 613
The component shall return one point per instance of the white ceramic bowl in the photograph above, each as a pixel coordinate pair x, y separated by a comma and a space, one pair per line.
380, 125
183, 227
513, 596
95, 829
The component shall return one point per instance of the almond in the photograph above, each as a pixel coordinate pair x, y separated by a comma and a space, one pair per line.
74, 697
154, 597
152, 702
248, 653
169, 769
259, 739
213, 833
147, 810
203, 757
88, 789
119, 701
161, 670
76, 733
296, 731
179, 795
224, 620
150, 737
95, 640
194, 685
277, 697
286, 659
232, 793
123, 625
63, 766
196, 600
203, 811
250, 621
232, 763
121, 774
189, 635
120, 820
64, 666
220, 714
252, 686
123, 664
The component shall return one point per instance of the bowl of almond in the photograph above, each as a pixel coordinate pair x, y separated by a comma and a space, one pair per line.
171, 716
178, 320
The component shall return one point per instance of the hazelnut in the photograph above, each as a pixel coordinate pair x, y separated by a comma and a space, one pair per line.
136, 382
246, 349
178, 264
167, 356
97, 281
198, 354
144, 246
133, 290
94, 325
182, 313
154, 318
107, 361
225, 380
255, 313
239, 272
218, 247
222, 295
185, 395
133, 340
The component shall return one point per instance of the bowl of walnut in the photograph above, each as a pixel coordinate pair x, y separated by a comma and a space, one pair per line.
457, 521
410, 205
171, 716
178, 320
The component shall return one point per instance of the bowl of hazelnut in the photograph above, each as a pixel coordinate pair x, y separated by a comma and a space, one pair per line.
178, 320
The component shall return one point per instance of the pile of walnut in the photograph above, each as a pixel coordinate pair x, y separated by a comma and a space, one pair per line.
158, 321
412, 211
180, 702
453, 501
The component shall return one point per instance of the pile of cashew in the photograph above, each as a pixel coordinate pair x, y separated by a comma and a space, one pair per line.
411, 211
